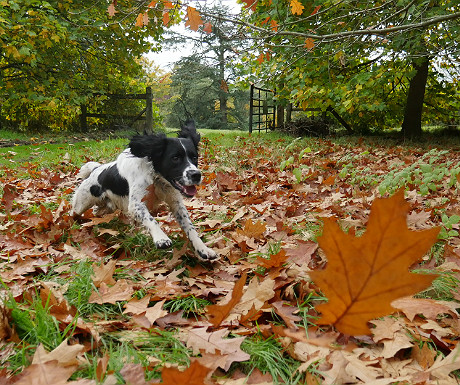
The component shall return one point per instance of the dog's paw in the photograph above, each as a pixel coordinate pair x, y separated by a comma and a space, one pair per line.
207, 255
163, 243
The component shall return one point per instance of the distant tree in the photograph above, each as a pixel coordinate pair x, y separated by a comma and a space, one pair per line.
215, 46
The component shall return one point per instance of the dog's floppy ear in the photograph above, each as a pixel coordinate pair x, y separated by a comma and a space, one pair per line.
188, 130
150, 146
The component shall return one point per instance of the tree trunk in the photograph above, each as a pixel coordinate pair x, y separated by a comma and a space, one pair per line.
223, 96
412, 124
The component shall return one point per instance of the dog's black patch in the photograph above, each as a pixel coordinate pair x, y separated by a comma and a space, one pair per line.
110, 179
95, 190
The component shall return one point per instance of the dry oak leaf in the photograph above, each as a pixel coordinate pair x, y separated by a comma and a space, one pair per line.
104, 273
217, 313
207, 28
195, 374
286, 312
364, 275
133, 374
200, 340
392, 334
46, 373
443, 366
64, 354
296, 7
121, 291
252, 229
310, 44
275, 260
255, 296
193, 19
429, 308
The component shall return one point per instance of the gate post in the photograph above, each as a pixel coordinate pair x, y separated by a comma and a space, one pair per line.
148, 109
251, 107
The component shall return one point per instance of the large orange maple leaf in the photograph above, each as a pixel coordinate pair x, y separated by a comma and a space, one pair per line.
364, 275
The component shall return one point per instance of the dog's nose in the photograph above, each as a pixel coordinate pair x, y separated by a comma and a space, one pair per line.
194, 176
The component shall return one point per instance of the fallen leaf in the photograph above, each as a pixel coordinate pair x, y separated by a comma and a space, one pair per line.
443, 366
137, 306
200, 340
286, 312
64, 354
275, 260
101, 368
302, 253
133, 374
255, 296
195, 374
217, 313
104, 273
121, 291
429, 308
155, 312
364, 275
252, 229
50, 372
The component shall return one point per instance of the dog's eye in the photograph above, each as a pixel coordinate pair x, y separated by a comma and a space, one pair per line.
176, 158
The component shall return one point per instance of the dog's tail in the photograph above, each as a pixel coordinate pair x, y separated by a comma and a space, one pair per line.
87, 169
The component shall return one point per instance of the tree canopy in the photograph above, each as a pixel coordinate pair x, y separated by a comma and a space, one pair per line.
54, 54
383, 64
358, 56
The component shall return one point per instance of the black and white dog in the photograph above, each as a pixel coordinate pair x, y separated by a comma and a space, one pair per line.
170, 164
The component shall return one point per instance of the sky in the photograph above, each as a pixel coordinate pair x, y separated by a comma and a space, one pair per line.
166, 58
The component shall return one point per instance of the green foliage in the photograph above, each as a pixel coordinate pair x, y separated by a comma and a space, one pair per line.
54, 55
364, 77
424, 174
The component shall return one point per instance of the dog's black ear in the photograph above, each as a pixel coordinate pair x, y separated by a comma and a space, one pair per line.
150, 146
188, 130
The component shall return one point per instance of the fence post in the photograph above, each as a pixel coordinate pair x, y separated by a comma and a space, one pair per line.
251, 107
83, 121
148, 109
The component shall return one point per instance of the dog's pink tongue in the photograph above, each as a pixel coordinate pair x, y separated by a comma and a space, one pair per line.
190, 190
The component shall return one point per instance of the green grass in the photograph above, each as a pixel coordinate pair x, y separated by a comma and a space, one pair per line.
191, 305
153, 348
268, 356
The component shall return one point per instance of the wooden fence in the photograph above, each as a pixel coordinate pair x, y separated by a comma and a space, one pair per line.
148, 111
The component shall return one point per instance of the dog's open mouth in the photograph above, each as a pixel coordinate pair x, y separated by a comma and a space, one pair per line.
188, 191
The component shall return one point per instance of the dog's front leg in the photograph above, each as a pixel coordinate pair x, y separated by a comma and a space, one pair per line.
180, 212
139, 211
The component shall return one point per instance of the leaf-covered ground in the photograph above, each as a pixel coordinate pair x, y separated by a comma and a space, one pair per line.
90, 300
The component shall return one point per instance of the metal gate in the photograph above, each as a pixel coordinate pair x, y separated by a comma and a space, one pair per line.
262, 109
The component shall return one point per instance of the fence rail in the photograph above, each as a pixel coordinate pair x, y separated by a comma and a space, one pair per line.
148, 111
